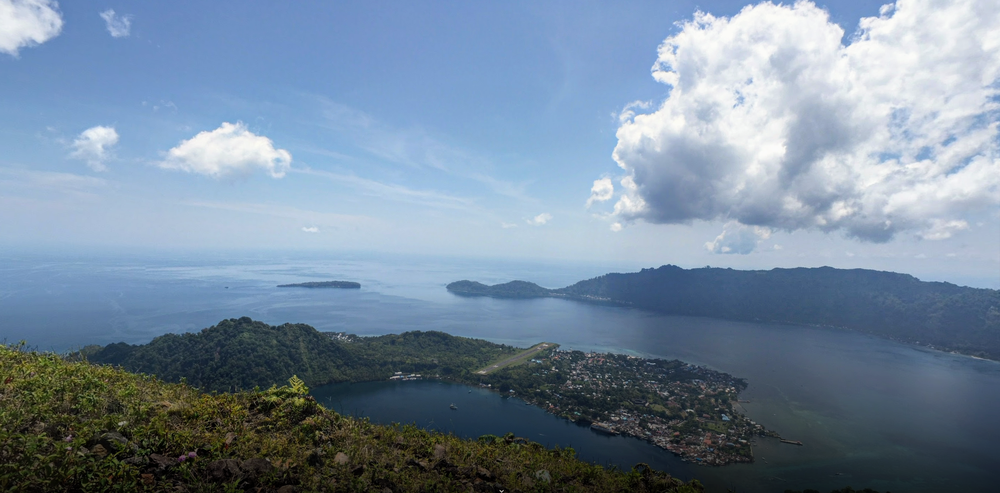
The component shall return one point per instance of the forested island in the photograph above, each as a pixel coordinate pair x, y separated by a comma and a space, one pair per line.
938, 315
324, 284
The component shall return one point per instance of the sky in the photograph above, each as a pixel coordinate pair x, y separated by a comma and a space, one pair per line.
751, 136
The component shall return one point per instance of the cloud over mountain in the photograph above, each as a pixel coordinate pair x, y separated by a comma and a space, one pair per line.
25, 23
230, 150
772, 122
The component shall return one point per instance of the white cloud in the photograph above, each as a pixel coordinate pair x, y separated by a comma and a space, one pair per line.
94, 146
771, 121
738, 238
118, 25
602, 191
25, 23
228, 150
616, 227
310, 229
540, 219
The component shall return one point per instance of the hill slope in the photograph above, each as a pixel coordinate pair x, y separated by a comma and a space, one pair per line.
73, 426
243, 354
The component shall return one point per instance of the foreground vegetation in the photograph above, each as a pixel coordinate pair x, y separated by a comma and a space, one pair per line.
74, 426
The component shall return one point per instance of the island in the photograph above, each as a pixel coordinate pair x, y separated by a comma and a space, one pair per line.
324, 284
900, 307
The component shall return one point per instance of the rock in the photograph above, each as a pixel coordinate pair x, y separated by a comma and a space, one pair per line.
341, 458
484, 473
147, 479
439, 451
286, 489
229, 438
223, 470
315, 458
114, 441
419, 464
162, 462
135, 460
99, 451
543, 476
256, 468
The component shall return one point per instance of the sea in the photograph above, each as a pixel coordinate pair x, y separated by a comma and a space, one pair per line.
871, 413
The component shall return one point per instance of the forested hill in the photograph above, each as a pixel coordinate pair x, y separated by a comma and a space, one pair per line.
887, 304
243, 354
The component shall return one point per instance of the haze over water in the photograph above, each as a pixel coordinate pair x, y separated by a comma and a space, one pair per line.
871, 412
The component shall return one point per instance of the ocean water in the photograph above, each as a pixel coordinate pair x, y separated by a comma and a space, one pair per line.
871, 413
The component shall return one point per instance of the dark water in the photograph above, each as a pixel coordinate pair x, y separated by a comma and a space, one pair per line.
483, 412
872, 413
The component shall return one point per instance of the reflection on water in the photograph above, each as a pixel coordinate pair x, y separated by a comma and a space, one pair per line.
872, 413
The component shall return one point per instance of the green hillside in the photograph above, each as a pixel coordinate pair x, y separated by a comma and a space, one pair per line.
74, 426
243, 354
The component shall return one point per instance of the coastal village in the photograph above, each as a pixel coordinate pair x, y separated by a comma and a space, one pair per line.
686, 409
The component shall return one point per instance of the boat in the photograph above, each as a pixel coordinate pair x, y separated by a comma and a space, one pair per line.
791, 442
603, 428
453, 407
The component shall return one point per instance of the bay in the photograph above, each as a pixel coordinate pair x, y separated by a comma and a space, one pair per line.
871, 412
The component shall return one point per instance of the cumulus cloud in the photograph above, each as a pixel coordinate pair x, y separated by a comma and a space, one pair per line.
229, 150
602, 191
93, 145
118, 25
310, 229
737, 238
540, 219
771, 121
25, 23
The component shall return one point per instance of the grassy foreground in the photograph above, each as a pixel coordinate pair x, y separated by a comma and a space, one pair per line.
73, 426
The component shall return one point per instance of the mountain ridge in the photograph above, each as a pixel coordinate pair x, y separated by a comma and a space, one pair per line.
896, 306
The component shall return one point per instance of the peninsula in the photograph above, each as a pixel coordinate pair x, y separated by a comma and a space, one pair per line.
324, 284
686, 409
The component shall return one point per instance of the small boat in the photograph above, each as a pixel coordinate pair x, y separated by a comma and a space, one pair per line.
791, 442
453, 407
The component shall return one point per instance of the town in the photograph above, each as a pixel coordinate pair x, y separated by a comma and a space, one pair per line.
686, 409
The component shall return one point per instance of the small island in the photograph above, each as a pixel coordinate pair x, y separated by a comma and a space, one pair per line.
324, 284
513, 289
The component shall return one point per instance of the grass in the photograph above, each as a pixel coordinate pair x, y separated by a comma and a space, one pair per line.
73, 426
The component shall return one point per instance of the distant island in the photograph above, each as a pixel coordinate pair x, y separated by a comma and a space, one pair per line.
513, 289
324, 284
900, 307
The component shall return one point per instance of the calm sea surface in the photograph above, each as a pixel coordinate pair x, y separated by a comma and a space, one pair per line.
872, 413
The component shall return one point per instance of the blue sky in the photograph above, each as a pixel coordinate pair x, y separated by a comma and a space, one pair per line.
481, 129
